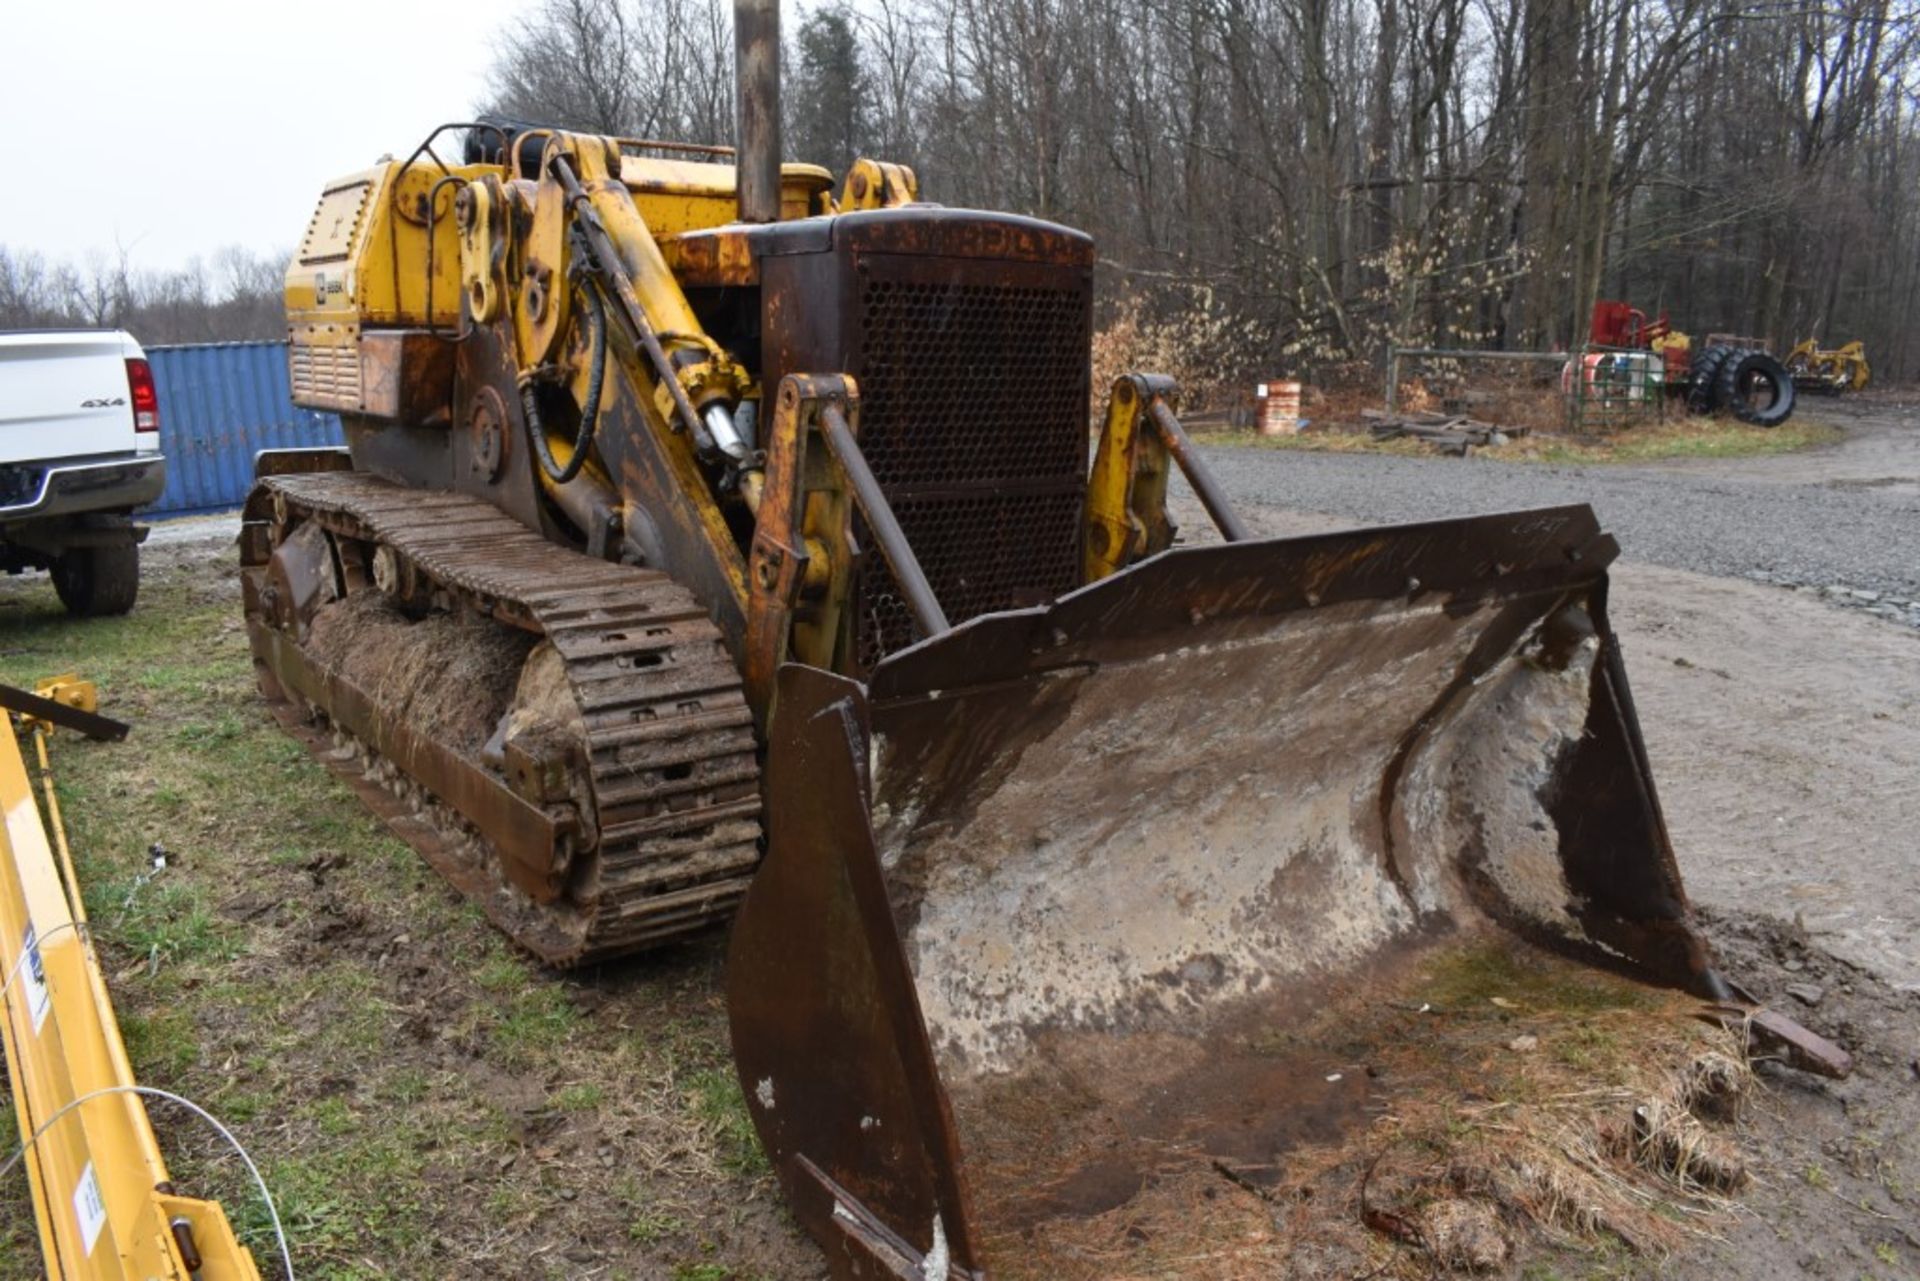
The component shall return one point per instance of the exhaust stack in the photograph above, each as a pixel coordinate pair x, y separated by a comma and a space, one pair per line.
756, 36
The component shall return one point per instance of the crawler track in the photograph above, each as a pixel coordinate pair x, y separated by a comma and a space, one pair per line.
669, 753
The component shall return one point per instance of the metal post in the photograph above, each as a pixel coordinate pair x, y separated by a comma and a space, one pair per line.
756, 37
912, 580
1393, 378
1211, 496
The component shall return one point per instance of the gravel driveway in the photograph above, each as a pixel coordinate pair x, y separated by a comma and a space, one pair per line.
1845, 519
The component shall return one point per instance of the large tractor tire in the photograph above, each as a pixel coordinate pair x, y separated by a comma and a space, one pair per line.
94, 582
1703, 384
1756, 387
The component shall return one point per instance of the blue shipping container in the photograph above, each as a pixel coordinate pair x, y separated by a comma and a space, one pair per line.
220, 404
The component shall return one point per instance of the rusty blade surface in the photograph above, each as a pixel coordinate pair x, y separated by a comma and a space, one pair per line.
1234, 767
1129, 836
1113, 841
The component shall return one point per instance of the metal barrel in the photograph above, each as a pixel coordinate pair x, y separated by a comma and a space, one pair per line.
1089, 851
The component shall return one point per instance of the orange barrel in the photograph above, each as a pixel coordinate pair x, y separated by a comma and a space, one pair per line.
1279, 408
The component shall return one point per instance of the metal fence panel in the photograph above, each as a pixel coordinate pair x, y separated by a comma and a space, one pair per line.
220, 404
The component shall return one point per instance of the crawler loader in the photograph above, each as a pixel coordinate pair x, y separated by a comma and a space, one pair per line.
715, 542
1830, 370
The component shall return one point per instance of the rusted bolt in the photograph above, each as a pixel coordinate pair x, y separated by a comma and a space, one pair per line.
763, 572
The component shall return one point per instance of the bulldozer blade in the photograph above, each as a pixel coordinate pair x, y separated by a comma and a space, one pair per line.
1080, 856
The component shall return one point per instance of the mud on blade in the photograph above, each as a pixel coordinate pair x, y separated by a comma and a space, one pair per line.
1101, 840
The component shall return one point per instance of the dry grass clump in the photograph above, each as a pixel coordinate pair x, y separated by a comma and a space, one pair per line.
1596, 1132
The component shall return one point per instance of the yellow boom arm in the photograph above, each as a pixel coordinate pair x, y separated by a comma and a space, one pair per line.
101, 1194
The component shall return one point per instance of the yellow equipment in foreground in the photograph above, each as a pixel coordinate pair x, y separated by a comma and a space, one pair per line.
101, 1194
1836, 370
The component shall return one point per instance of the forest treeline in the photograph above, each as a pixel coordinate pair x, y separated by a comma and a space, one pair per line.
234, 298
1286, 186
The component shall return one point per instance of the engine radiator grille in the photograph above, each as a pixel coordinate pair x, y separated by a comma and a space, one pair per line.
973, 416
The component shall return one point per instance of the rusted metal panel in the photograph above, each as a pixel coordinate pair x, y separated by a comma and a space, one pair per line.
827, 1035
221, 404
719, 258
407, 375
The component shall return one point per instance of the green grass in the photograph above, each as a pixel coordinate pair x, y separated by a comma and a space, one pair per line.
716, 1102
583, 1096
1491, 979
536, 1021
167, 920
423, 1100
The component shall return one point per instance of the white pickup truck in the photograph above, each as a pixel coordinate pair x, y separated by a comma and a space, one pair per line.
79, 453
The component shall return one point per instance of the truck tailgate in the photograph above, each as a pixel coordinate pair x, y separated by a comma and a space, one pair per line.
64, 395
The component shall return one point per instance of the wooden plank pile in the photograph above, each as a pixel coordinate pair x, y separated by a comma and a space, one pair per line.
1449, 433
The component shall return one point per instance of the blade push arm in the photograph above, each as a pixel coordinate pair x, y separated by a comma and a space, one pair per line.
1127, 493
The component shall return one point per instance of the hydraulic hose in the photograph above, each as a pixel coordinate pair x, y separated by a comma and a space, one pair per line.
589, 412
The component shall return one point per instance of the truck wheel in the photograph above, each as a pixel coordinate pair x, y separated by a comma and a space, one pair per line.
1703, 385
97, 581
1756, 388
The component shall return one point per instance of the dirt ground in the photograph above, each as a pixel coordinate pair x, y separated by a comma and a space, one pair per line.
429, 1105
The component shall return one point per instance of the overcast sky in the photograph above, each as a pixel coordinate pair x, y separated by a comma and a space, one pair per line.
175, 129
